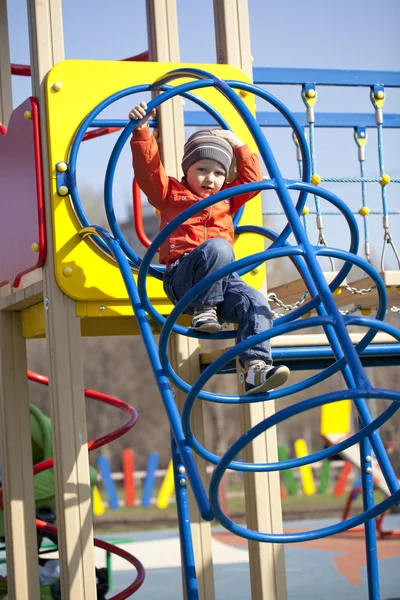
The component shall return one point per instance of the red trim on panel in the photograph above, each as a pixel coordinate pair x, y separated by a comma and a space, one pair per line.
39, 183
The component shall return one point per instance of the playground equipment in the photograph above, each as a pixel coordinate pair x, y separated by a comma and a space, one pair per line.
87, 288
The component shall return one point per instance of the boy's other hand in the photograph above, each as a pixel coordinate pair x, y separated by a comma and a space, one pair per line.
139, 112
228, 136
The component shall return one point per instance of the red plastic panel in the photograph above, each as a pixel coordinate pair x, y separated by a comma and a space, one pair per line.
21, 196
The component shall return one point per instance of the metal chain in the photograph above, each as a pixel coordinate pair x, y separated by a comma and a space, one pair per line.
351, 311
274, 298
361, 291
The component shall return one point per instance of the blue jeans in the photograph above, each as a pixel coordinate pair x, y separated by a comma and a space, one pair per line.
236, 301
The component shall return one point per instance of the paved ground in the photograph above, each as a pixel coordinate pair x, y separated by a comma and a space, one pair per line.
326, 569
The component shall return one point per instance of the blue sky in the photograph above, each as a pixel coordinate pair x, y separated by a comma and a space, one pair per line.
356, 34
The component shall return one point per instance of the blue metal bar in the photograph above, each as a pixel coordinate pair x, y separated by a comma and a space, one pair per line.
342, 77
274, 420
306, 352
309, 358
185, 533
196, 118
304, 256
90, 121
160, 376
339, 339
371, 550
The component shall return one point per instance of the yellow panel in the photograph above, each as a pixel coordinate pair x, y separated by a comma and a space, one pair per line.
93, 276
167, 488
335, 417
306, 474
96, 322
33, 325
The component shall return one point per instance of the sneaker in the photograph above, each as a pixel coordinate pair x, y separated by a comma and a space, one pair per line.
205, 319
264, 378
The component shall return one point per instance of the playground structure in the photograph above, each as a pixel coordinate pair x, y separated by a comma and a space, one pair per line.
82, 284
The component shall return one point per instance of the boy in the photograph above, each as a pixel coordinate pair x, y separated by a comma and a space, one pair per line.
204, 243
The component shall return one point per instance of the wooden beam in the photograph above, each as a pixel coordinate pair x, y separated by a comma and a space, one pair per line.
5, 67
16, 452
162, 25
262, 490
292, 292
67, 403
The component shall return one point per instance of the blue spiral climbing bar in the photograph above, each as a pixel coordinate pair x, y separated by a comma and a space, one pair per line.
304, 256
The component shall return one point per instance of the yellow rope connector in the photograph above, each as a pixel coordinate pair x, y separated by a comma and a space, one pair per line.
243, 93
316, 179
305, 211
309, 95
366, 312
337, 292
388, 289
364, 211
385, 179
378, 97
306, 315
155, 133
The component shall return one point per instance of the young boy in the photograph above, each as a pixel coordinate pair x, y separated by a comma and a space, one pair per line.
204, 243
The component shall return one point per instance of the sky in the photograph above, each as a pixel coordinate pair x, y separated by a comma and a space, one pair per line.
356, 34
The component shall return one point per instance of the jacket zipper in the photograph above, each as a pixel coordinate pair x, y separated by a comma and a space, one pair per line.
205, 223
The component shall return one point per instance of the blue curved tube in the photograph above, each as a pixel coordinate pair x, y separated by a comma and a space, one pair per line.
305, 257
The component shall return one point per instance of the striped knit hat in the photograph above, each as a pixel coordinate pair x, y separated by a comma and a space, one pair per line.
204, 144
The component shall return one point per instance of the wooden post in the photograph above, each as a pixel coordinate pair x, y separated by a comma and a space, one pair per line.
16, 450
67, 402
164, 47
5, 67
262, 490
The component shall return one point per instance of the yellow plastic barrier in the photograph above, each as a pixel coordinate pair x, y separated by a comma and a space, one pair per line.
306, 474
167, 488
82, 270
336, 418
98, 506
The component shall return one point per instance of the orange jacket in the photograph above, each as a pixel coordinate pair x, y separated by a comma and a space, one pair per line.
171, 197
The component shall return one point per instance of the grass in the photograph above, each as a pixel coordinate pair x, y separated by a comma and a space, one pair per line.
294, 507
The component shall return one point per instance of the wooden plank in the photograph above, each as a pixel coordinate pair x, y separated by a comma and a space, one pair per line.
262, 490
291, 292
67, 403
5, 68
23, 298
162, 24
293, 341
18, 498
